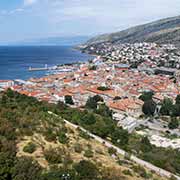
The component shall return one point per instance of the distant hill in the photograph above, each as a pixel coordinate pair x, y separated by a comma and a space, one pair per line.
161, 31
55, 41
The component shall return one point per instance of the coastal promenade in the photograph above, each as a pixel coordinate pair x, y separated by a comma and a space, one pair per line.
141, 162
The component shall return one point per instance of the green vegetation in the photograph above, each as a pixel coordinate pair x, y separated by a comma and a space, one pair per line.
103, 88
53, 156
167, 107
88, 153
24, 116
170, 109
149, 107
146, 96
93, 101
86, 170
78, 148
141, 171
127, 172
112, 151
69, 100
174, 123
30, 148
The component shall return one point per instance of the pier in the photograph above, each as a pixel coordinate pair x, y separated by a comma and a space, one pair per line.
53, 68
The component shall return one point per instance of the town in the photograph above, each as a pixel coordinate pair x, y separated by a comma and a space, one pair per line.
124, 76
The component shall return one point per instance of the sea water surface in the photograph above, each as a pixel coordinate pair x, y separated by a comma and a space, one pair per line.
15, 61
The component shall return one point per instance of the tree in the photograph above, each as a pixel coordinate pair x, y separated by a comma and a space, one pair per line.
120, 137
103, 88
92, 102
69, 100
174, 123
167, 107
88, 119
104, 111
146, 96
149, 107
145, 144
178, 99
176, 110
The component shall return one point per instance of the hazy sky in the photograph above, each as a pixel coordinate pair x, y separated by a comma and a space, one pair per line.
27, 19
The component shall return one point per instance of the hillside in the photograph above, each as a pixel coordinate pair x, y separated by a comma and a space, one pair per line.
161, 31
36, 145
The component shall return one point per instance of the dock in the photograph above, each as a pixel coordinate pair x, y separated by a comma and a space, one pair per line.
54, 68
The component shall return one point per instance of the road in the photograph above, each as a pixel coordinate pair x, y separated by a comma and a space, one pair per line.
108, 144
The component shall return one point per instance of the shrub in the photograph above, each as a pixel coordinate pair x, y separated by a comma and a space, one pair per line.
49, 135
78, 148
53, 156
84, 135
141, 171
88, 153
112, 151
62, 138
29, 148
86, 170
127, 172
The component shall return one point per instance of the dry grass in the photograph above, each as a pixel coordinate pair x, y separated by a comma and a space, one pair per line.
101, 155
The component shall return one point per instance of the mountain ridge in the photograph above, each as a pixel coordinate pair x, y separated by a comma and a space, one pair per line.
163, 31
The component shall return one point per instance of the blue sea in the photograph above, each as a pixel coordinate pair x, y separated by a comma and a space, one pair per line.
15, 61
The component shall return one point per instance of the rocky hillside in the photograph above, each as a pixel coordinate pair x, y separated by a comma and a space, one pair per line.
161, 31
38, 145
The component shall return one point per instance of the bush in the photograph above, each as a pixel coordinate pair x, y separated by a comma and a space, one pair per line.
88, 153
62, 138
112, 151
84, 135
86, 170
54, 156
29, 148
127, 172
78, 148
50, 135
141, 171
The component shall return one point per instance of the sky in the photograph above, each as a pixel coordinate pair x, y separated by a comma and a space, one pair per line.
32, 19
